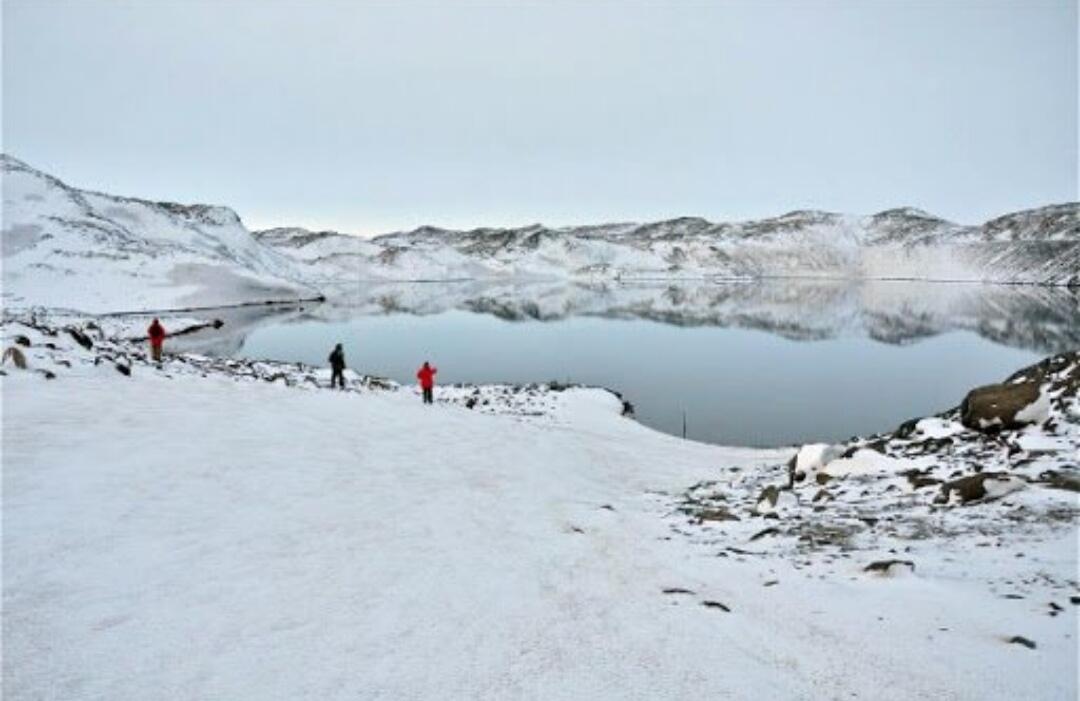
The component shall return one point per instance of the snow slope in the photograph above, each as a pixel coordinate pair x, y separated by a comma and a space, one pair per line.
214, 535
70, 248
1037, 246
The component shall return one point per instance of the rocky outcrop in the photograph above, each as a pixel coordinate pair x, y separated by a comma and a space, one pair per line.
1001, 406
1003, 462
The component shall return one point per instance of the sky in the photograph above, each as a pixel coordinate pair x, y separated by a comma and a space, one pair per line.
371, 117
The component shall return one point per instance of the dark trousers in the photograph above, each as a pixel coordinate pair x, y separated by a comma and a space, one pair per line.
337, 375
429, 395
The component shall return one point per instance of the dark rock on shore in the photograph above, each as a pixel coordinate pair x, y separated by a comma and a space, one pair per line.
997, 407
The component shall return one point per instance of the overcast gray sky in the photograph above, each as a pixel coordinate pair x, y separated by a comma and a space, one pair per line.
371, 117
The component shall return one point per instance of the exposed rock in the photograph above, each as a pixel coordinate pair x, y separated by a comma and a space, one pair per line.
918, 479
715, 605
16, 356
1056, 479
1021, 640
772, 530
22, 340
123, 369
81, 338
889, 567
906, 429
766, 503
998, 407
716, 514
794, 477
978, 487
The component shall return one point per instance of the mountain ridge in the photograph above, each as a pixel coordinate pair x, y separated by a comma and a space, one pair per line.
141, 253
1039, 245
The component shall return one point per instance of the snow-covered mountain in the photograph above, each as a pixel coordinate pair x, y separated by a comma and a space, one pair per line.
70, 248
1038, 246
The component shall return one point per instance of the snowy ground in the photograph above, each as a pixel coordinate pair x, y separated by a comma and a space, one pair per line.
207, 530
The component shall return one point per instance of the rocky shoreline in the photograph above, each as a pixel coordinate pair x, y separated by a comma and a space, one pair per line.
52, 345
973, 493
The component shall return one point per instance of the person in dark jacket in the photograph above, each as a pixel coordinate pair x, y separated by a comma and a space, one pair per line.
156, 333
426, 375
337, 366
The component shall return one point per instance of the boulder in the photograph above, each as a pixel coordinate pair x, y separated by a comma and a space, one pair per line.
16, 356
890, 568
81, 338
718, 513
810, 460
1002, 406
767, 501
981, 486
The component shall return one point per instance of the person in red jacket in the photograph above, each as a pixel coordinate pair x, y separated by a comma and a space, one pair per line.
156, 332
426, 375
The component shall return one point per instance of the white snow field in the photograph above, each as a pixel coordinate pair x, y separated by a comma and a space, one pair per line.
174, 536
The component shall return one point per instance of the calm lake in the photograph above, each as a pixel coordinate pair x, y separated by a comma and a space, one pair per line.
746, 364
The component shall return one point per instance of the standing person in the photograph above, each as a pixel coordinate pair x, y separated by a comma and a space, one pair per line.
337, 366
426, 375
156, 333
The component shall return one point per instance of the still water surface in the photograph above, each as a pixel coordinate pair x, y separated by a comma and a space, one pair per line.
743, 368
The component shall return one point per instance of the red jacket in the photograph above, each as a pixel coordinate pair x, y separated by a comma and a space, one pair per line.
156, 332
426, 375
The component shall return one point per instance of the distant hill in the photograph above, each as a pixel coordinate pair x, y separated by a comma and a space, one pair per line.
1034, 246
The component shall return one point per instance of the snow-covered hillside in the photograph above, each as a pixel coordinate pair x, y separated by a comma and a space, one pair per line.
352, 544
1037, 246
70, 248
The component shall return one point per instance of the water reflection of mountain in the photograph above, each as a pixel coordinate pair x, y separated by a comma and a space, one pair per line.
1046, 320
